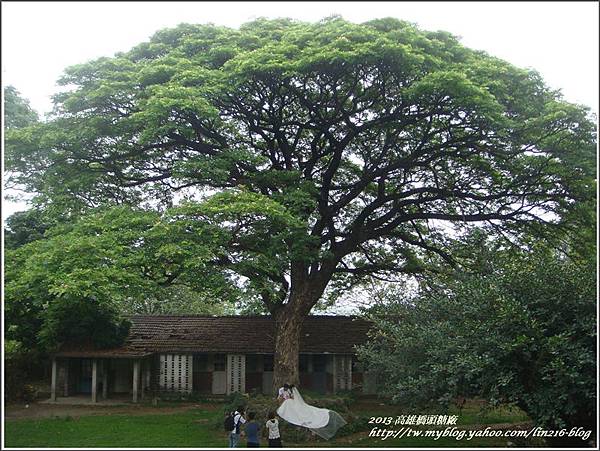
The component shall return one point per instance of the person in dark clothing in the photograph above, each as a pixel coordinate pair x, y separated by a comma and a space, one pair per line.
238, 420
252, 429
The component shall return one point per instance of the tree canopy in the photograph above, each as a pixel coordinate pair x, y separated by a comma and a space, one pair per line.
17, 111
325, 151
116, 262
23, 227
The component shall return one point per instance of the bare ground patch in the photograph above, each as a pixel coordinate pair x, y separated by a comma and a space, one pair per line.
36, 410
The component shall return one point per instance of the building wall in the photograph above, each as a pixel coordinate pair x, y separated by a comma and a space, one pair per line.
342, 372
267, 383
176, 372
120, 376
202, 373
236, 373
219, 376
254, 373
61, 376
226, 373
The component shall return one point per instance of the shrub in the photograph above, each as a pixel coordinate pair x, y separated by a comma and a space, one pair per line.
15, 371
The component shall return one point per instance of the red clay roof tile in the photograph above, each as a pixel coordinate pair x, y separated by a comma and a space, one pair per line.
241, 334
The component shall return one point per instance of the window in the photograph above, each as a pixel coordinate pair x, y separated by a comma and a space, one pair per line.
252, 363
86, 368
200, 363
319, 363
268, 363
220, 362
303, 363
357, 366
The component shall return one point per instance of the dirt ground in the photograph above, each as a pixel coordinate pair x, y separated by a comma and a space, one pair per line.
37, 410
44, 410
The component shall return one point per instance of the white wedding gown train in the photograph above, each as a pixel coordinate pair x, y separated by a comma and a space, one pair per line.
323, 422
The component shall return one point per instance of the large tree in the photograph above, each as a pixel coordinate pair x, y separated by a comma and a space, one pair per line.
336, 150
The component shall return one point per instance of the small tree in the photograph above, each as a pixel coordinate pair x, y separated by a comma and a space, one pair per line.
338, 150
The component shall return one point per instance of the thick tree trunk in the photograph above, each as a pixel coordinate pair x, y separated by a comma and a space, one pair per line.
288, 324
289, 318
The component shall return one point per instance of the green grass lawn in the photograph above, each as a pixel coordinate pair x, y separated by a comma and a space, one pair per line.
195, 428
415, 442
470, 415
123, 431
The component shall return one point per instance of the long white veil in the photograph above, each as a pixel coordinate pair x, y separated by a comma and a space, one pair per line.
323, 422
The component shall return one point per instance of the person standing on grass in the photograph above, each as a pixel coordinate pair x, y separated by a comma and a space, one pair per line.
273, 428
252, 429
238, 420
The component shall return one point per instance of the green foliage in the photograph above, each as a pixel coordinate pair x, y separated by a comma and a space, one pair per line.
111, 263
179, 429
518, 328
255, 235
11, 348
17, 112
82, 321
285, 158
351, 138
189, 429
15, 377
25, 226
18, 363
237, 399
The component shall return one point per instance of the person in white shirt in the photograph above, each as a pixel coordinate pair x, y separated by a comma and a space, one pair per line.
273, 428
238, 420
285, 392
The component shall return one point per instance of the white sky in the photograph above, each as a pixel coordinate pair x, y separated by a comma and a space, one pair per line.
40, 39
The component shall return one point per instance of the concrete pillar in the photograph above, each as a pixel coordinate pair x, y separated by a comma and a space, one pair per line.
349, 372
104, 379
148, 374
94, 380
334, 373
136, 378
53, 383
66, 388
143, 378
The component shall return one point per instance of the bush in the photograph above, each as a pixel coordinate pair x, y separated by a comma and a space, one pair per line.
15, 371
235, 400
29, 393
14, 386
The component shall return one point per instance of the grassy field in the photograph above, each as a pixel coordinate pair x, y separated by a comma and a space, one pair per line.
196, 428
123, 431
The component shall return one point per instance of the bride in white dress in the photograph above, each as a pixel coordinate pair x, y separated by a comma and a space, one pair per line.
323, 422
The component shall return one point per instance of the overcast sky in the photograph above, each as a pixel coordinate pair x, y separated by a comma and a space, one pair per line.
559, 39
